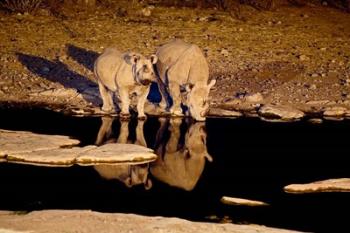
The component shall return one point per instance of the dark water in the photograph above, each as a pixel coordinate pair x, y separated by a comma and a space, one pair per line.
199, 163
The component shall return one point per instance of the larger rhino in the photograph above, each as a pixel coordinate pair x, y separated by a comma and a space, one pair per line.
183, 69
124, 74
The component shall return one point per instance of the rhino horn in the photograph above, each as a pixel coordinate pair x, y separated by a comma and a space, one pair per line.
211, 84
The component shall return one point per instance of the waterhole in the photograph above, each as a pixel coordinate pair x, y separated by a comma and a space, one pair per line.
197, 164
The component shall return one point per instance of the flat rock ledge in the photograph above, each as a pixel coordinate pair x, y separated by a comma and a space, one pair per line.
331, 185
242, 202
51, 150
22, 142
62, 221
218, 112
285, 113
117, 153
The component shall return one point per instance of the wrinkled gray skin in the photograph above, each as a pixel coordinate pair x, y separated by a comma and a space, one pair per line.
180, 165
124, 74
182, 66
128, 174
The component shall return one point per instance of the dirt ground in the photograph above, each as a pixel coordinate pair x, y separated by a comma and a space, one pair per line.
293, 56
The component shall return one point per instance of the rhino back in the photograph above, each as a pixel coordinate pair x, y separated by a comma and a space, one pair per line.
185, 61
107, 66
168, 54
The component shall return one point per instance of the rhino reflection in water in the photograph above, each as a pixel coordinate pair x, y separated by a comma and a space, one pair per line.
180, 164
130, 175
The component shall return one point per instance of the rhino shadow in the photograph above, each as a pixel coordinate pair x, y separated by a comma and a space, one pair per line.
83, 56
128, 174
181, 160
57, 71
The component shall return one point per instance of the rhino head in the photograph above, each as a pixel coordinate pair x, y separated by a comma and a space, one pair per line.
197, 99
143, 68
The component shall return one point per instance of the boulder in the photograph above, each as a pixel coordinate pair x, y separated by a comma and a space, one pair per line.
286, 113
335, 111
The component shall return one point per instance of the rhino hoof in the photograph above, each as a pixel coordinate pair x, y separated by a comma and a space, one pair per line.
142, 117
125, 115
177, 113
108, 110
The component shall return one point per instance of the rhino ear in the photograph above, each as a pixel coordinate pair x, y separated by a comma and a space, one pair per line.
128, 182
148, 184
154, 59
189, 87
211, 84
134, 58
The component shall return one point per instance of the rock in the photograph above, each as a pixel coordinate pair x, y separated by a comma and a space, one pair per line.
335, 111
317, 102
223, 113
331, 185
146, 12
41, 149
314, 75
45, 70
121, 12
62, 92
59, 221
313, 87
117, 153
15, 142
280, 112
304, 58
224, 52
254, 98
54, 157
315, 120
240, 201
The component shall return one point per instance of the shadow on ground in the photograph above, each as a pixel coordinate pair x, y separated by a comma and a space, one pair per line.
56, 71
83, 56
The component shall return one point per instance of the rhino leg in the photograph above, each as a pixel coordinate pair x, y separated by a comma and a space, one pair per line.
108, 105
176, 95
124, 102
141, 103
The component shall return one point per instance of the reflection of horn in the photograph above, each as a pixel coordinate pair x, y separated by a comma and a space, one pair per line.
209, 158
105, 130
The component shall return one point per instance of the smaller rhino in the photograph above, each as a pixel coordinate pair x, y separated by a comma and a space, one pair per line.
124, 74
